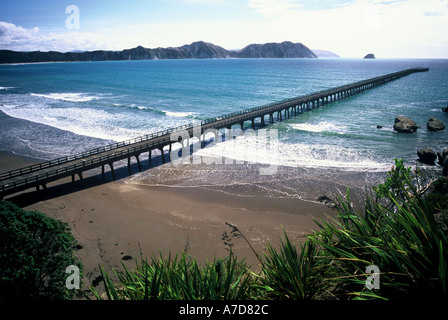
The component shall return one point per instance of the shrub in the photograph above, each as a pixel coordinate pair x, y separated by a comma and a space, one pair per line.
34, 253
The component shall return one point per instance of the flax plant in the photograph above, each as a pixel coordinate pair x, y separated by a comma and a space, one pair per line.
289, 273
397, 233
181, 278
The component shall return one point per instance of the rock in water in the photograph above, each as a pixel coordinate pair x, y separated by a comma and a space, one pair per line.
404, 124
442, 155
427, 155
445, 168
435, 125
370, 56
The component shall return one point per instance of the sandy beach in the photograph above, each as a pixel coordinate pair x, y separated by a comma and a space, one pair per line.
116, 222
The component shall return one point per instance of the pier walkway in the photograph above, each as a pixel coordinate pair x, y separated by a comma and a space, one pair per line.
39, 175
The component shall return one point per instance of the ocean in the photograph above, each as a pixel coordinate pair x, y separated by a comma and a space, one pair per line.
50, 110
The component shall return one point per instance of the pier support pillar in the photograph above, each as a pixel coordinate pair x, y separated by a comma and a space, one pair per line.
163, 155
44, 187
138, 163
111, 165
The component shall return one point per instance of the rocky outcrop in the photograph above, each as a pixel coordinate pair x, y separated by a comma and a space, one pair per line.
195, 50
442, 155
404, 124
443, 161
370, 56
285, 49
435, 125
427, 155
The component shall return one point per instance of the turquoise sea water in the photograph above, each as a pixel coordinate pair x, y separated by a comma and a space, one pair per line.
55, 109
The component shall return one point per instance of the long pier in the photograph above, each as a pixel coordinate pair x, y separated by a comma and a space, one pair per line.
40, 174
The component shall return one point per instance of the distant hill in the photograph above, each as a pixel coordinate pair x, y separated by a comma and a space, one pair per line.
325, 54
285, 49
195, 50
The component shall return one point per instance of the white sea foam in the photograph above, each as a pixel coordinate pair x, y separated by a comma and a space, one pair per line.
179, 114
68, 96
9, 106
83, 121
174, 114
322, 126
329, 156
88, 120
300, 155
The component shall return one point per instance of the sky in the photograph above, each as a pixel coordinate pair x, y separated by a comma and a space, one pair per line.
349, 28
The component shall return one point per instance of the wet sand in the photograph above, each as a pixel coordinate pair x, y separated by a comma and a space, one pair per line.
116, 222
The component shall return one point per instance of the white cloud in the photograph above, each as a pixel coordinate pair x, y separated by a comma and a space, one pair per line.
274, 8
12, 35
17, 38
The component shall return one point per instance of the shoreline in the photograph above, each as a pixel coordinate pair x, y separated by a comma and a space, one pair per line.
118, 223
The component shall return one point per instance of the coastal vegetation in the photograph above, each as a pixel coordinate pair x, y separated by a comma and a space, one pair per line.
34, 253
393, 246
400, 234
